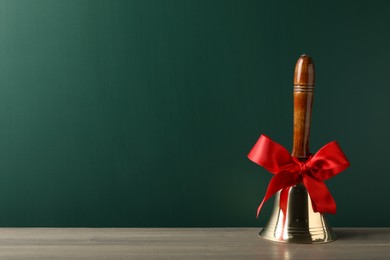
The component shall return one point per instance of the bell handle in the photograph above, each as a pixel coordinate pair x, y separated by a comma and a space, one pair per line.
304, 77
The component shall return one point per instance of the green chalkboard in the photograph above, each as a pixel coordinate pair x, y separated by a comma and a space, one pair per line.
141, 113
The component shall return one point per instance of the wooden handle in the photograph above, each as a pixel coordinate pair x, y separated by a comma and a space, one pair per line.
303, 100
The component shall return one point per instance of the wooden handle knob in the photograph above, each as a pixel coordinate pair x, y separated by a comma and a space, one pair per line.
304, 77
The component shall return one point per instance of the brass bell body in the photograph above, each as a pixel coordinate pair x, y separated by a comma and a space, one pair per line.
300, 224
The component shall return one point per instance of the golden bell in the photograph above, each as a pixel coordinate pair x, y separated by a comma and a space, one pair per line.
299, 224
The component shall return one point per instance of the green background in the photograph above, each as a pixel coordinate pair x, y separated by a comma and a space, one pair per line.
141, 113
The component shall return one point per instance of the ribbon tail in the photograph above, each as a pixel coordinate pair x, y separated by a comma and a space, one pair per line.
322, 200
280, 181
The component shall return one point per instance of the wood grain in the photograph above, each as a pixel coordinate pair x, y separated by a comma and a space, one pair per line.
304, 78
183, 243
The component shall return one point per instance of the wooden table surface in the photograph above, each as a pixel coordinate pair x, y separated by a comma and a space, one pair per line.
183, 243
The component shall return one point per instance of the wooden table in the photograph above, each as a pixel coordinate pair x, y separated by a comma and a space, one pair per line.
183, 243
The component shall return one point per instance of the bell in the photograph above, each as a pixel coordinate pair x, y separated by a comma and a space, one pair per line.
299, 224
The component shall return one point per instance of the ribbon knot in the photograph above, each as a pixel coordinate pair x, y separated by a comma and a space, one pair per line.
289, 171
304, 168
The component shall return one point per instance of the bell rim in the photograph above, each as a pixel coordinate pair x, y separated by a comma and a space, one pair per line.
317, 235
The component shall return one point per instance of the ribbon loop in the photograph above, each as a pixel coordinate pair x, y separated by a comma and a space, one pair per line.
289, 171
271, 155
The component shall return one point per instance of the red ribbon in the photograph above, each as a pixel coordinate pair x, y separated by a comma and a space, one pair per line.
289, 171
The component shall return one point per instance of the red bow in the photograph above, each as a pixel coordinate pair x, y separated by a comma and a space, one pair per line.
289, 171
